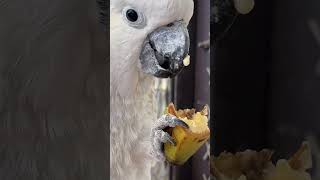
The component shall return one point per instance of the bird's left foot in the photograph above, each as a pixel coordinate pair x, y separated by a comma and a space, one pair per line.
159, 136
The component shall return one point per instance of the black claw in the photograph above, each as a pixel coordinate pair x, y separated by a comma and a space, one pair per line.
181, 123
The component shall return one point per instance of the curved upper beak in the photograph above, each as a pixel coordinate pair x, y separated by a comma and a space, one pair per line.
164, 49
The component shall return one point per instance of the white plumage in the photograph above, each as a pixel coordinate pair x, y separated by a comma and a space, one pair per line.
131, 94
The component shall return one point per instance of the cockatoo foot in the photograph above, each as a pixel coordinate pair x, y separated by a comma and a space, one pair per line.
159, 136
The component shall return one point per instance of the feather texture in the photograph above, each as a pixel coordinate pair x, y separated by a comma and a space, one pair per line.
132, 95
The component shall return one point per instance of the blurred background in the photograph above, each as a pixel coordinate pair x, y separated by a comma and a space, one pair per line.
267, 78
190, 89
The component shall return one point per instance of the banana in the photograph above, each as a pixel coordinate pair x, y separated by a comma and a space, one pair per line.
186, 61
187, 141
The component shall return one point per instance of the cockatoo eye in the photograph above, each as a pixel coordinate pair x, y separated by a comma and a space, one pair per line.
134, 18
132, 15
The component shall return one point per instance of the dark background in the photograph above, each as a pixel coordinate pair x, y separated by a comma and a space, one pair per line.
54, 99
266, 81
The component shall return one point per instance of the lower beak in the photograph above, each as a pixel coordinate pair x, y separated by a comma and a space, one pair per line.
164, 50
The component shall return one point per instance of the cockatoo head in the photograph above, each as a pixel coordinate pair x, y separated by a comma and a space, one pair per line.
148, 37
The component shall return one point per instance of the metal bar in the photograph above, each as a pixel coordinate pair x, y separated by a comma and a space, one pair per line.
200, 161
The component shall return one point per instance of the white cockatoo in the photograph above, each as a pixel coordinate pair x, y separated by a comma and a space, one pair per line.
148, 39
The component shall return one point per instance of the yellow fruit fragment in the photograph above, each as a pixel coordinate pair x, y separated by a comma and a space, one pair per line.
186, 61
283, 171
188, 141
254, 165
302, 159
295, 168
251, 164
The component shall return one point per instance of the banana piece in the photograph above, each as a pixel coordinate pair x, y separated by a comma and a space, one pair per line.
188, 141
186, 61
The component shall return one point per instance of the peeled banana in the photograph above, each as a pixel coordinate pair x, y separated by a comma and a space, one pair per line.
188, 141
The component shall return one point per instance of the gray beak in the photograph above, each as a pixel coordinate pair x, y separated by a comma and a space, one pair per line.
164, 49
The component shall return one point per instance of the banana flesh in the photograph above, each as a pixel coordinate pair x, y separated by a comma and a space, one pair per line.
188, 141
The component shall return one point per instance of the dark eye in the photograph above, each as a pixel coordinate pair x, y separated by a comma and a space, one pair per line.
132, 15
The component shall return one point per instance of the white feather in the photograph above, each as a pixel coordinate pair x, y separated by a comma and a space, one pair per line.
132, 95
